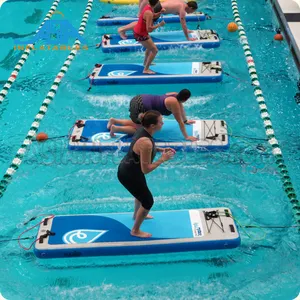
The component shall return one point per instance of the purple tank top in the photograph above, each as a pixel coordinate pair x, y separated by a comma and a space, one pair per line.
156, 102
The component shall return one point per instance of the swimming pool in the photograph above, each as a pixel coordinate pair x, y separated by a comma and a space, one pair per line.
54, 180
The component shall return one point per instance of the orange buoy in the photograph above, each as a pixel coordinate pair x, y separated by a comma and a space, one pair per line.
41, 137
278, 37
232, 27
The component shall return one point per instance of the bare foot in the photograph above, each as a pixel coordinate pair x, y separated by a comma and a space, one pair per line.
112, 130
140, 234
110, 122
122, 34
148, 72
147, 217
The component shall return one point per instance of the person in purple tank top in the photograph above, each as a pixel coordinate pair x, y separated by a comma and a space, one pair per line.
170, 103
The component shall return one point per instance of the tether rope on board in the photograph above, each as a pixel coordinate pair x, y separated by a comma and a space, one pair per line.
276, 151
24, 57
44, 107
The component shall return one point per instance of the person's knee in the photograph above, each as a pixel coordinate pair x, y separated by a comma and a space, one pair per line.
154, 50
148, 203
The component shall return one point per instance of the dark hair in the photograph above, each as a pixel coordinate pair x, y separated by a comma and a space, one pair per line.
192, 4
183, 95
150, 117
153, 2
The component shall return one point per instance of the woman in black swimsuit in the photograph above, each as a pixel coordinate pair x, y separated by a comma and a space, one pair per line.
138, 162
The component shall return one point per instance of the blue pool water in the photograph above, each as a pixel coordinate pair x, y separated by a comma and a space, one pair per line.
54, 180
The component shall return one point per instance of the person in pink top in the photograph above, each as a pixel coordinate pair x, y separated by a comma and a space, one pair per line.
176, 7
141, 34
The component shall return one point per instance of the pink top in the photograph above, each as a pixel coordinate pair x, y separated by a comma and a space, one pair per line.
140, 27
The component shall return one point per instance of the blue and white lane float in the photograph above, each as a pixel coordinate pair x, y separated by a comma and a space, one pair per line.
177, 72
109, 234
162, 40
111, 21
93, 135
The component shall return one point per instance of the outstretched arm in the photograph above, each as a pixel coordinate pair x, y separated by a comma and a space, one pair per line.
177, 113
182, 15
185, 120
183, 23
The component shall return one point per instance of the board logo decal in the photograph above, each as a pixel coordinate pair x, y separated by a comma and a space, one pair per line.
116, 73
82, 236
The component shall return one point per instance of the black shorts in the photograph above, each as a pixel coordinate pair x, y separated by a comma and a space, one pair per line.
136, 107
136, 185
141, 38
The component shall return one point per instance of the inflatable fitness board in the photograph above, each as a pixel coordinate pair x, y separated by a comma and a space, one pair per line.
109, 234
162, 40
110, 21
181, 72
122, 2
93, 135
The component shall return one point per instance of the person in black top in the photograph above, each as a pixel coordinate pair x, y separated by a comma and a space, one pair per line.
138, 162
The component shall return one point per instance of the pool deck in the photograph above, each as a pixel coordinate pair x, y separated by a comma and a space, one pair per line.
288, 14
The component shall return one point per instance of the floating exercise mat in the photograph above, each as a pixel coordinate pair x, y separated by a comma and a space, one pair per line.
111, 21
162, 40
123, 2
177, 72
109, 233
93, 135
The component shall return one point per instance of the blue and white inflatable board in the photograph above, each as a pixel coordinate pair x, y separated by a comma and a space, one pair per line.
109, 234
111, 21
93, 135
181, 72
162, 40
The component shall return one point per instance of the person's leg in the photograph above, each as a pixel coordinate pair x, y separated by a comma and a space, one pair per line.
146, 203
137, 205
140, 217
147, 52
122, 30
124, 129
137, 187
123, 122
152, 50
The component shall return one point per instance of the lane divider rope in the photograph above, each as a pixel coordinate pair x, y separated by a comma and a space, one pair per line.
13, 76
276, 151
44, 107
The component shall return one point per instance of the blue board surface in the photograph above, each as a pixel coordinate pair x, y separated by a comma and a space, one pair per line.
166, 225
137, 69
94, 136
163, 40
111, 21
170, 132
181, 72
109, 233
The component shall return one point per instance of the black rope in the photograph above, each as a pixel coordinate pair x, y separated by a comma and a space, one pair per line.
229, 40
242, 80
53, 138
18, 239
248, 137
32, 219
273, 227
